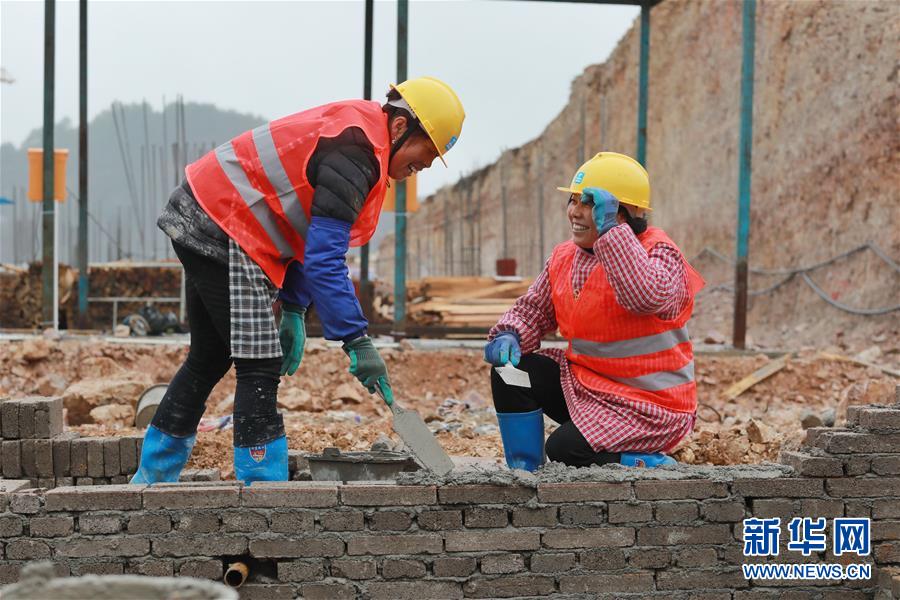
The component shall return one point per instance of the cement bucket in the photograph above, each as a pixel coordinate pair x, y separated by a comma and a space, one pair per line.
38, 581
148, 403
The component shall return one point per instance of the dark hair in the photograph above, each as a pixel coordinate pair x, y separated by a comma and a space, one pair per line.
638, 224
395, 111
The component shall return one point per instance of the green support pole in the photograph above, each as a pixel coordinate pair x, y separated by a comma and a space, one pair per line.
744, 174
365, 296
82, 164
400, 224
49, 210
642, 85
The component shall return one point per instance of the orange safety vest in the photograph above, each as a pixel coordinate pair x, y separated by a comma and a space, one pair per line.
640, 357
255, 188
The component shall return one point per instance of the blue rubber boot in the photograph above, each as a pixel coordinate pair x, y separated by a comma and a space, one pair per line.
266, 462
523, 439
641, 459
163, 456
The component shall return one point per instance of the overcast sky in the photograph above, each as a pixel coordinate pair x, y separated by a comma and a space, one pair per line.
510, 62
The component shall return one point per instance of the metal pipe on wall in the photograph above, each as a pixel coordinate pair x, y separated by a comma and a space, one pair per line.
83, 282
642, 85
49, 314
400, 199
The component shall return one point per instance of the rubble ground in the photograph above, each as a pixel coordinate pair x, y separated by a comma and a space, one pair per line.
101, 381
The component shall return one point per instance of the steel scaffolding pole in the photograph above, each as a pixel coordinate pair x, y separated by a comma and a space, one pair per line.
49, 314
400, 203
82, 163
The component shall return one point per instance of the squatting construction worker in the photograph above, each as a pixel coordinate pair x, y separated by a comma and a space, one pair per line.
271, 214
620, 293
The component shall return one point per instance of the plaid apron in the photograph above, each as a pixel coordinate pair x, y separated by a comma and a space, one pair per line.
254, 333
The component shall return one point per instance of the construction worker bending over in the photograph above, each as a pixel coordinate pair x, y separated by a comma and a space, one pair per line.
620, 293
271, 214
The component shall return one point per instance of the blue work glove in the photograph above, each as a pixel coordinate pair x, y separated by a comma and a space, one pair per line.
292, 335
367, 365
606, 206
503, 349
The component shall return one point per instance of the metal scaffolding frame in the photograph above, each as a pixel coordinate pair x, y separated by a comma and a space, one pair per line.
400, 253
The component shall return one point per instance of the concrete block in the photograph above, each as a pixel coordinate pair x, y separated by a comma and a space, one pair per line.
390, 520
62, 456
26, 418
46, 482
192, 496
821, 508
619, 583
343, 520
51, 526
631, 512
730, 511
583, 492
245, 521
110, 546
778, 488
9, 419
25, 502
886, 509
388, 495
454, 566
395, 544
297, 547
152, 567
23, 549
856, 443
650, 558
768, 509
95, 454
64, 481
99, 524
879, 418
413, 590
302, 570
11, 526
120, 479
587, 514
95, 567
484, 494
886, 465
401, 568
506, 587
672, 536
697, 557
143, 523
48, 421
196, 521
854, 466
178, 545
328, 591
533, 517
353, 568
29, 466
112, 464
497, 564
481, 541
813, 466
11, 457
687, 489
677, 512
705, 579
553, 562
292, 494
267, 591
78, 457
82, 481
202, 569
437, 520
589, 538
111, 497
43, 458
879, 487
486, 517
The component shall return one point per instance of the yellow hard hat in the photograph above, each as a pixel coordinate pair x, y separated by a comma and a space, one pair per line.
438, 109
618, 174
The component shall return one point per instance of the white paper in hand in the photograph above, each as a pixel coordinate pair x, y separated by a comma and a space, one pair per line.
513, 376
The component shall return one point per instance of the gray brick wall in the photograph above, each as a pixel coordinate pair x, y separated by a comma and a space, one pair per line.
643, 537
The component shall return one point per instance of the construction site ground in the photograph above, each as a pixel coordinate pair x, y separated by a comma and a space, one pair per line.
101, 380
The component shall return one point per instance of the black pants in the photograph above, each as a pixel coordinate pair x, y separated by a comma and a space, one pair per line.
565, 444
256, 418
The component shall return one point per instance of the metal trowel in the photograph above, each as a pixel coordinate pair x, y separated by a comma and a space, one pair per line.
408, 424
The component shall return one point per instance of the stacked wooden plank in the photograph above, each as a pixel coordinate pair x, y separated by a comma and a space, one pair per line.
457, 301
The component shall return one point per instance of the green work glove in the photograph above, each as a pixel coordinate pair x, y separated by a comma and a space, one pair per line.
292, 335
367, 366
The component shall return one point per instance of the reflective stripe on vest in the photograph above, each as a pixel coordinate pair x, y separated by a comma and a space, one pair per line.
661, 380
649, 344
278, 177
253, 198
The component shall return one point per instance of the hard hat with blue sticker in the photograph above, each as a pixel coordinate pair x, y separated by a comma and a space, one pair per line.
450, 143
579, 177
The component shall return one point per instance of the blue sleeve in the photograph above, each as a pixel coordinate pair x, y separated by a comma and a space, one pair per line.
327, 280
294, 290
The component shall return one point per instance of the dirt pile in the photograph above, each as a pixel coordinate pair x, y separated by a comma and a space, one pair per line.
325, 406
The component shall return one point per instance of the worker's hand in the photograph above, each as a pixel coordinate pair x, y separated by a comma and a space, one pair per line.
292, 335
606, 206
503, 349
367, 365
